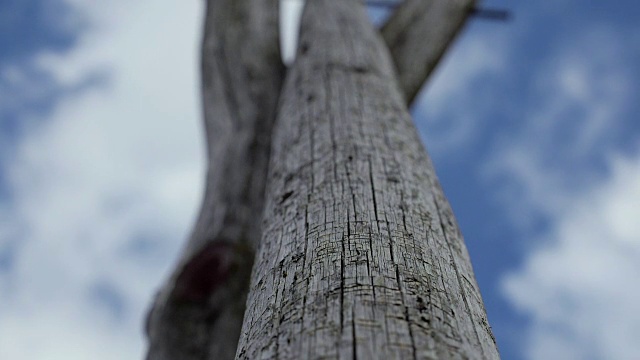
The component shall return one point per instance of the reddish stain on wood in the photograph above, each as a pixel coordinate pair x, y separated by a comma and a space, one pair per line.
205, 272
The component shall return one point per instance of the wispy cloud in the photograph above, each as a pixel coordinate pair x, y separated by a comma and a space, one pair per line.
570, 166
580, 287
575, 115
103, 185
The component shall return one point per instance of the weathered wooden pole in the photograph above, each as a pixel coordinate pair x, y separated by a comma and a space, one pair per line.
360, 256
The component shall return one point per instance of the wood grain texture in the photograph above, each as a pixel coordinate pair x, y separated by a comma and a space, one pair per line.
198, 312
361, 256
418, 34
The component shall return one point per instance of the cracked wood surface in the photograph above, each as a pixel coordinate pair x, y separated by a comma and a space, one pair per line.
418, 33
198, 312
361, 256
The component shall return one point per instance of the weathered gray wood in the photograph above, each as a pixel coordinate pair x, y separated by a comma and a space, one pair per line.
418, 33
361, 256
197, 314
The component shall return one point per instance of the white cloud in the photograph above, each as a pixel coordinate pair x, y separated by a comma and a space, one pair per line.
578, 283
104, 187
581, 288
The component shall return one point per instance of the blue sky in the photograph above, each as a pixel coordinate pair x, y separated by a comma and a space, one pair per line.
532, 125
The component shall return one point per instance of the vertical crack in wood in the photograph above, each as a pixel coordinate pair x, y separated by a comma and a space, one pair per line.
354, 338
342, 267
457, 272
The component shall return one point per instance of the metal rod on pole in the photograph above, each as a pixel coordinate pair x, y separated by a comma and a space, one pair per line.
483, 13
382, 3
491, 14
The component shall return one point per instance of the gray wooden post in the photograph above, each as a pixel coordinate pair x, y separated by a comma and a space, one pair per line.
418, 33
361, 256
198, 312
